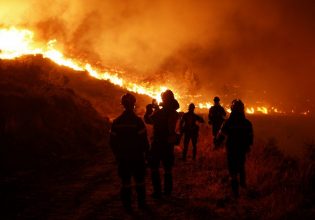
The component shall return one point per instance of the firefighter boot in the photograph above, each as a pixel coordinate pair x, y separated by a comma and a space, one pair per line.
234, 185
125, 196
156, 182
168, 183
243, 179
141, 195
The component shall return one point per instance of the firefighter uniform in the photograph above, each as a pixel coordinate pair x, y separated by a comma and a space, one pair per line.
164, 138
216, 118
239, 133
129, 143
190, 130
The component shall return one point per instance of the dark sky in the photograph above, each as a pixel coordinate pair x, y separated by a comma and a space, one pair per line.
260, 50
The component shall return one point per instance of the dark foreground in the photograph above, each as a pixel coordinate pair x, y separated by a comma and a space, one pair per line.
55, 162
88, 189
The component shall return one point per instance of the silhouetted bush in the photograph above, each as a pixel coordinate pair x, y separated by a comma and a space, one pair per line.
43, 122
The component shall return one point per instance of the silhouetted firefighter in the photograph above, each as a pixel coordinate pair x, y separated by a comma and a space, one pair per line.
190, 130
239, 133
129, 142
215, 118
164, 122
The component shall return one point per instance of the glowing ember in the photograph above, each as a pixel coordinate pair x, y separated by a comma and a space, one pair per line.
263, 110
250, 110
206, 105
17, 42
14, 43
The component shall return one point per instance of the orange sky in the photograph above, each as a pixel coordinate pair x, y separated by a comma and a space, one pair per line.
257, 50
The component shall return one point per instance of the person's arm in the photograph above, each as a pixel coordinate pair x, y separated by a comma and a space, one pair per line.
200, 119
222, 134
210, 117
143, 136
182, 124
223, 113
148, 114
113, 140
250, 136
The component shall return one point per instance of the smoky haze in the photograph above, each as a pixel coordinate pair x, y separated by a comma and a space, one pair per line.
257, 50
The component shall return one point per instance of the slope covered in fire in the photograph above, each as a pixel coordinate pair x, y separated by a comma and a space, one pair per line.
45, 114
54, 122
55, 162
40, 121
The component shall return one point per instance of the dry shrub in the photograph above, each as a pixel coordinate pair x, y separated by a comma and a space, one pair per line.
281, 184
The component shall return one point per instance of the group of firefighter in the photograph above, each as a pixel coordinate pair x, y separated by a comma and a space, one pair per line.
132, 149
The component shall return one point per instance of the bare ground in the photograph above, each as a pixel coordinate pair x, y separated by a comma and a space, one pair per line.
89, 189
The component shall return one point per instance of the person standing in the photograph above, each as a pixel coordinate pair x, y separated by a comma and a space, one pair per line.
164, 121
239, 137
129, 143
190, 130
216, 117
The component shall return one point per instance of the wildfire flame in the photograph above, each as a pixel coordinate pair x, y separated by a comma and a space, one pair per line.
16, 42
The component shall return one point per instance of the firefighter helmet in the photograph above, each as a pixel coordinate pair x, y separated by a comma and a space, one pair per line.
167, 96
237, 106
128, 100
216, 99
191, 106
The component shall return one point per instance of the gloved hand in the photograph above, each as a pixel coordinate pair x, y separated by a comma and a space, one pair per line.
147, 158
219, 139
149, 109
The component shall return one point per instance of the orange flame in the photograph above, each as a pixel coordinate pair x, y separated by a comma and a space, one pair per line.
14, 43
17, 42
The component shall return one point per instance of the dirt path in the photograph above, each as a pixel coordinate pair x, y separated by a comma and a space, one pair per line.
90, 190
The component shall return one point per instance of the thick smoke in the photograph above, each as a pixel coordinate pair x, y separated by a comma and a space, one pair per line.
258, 50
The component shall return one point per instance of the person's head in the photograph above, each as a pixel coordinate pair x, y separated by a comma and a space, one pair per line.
167, 96
128, 101
168, 100
216, 100
191, 107
237, 106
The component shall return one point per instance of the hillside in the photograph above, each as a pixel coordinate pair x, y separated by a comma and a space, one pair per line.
40, 120
54, 123
56, 162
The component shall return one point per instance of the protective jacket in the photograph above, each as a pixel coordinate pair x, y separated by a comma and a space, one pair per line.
239, 132
164, 122
162, 148
128, 137
216, 114
188, 123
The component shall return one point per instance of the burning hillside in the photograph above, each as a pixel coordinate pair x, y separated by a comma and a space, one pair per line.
261, 52
18, 42
65, 64
15, 43
42, 121
56, 162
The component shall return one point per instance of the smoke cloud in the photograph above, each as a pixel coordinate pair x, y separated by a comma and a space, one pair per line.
258, 50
